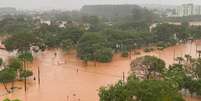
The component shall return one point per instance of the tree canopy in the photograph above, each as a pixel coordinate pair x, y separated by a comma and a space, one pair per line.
136, 90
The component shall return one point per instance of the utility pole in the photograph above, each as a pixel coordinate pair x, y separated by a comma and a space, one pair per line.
123, 76
67, 98
196, 49
25, 81
190, 48
174, 54
25, 84
38, 75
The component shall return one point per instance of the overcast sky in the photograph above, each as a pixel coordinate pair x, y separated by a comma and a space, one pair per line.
77, 4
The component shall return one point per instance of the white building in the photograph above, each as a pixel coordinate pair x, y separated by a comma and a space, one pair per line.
197, 10
185, 10
188, 10
48, 22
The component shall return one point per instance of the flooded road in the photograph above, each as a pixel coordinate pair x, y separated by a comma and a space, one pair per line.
66, 78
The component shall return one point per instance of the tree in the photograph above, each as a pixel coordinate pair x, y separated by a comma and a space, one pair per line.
188, 58
151, 64
73, 34
25, 73
182, 33
52, 36
165, 33
176, 74
199, 53
66, 44
117, 92
198, 86
142, 15
154, 63
6, 76
93, 21
11, 100
179, 59
197, 68
21, 42
156, 90
16, 24
104, 54
194, 86
93, 47
1, 61
15, 64
195, 32
25, 57
47, 35
136, 90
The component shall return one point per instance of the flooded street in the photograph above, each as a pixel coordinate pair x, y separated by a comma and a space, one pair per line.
66, 78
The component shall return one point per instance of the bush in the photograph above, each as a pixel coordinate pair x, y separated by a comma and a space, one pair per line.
15, 63
124, 54
25, 73
104, 58
148, 49
11, 100
104, 55
161, 48
137, 53
1, 61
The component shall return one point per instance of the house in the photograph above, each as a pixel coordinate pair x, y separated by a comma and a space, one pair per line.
2, 46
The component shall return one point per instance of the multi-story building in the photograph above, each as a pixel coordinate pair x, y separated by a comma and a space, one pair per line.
179, 11
188, 10
185, 10
197, 10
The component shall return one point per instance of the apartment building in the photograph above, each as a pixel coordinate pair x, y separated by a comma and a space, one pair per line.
188, 10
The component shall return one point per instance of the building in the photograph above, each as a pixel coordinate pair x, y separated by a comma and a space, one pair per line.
185, 10
197, 10
2, 46
188, 10
48, 22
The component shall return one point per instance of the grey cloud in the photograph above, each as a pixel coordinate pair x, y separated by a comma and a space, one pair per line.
77, 4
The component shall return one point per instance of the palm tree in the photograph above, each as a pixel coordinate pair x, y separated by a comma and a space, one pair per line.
199, 53
197, 69
6, 76
25, 57
179, 59
188, 58
189, 63
1, 61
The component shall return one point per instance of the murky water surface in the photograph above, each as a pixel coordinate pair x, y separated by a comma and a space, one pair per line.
66, 78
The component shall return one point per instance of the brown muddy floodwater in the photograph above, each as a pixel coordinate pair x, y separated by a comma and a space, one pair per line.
65, 78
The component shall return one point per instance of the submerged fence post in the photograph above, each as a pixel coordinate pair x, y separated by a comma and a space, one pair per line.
123, 76
38, 75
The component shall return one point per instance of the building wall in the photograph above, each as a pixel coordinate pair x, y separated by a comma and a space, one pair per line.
188, 10
197, 10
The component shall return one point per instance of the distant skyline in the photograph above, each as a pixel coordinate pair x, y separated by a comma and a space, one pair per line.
77, 4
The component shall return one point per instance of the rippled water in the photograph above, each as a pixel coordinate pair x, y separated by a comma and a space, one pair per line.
66, 78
